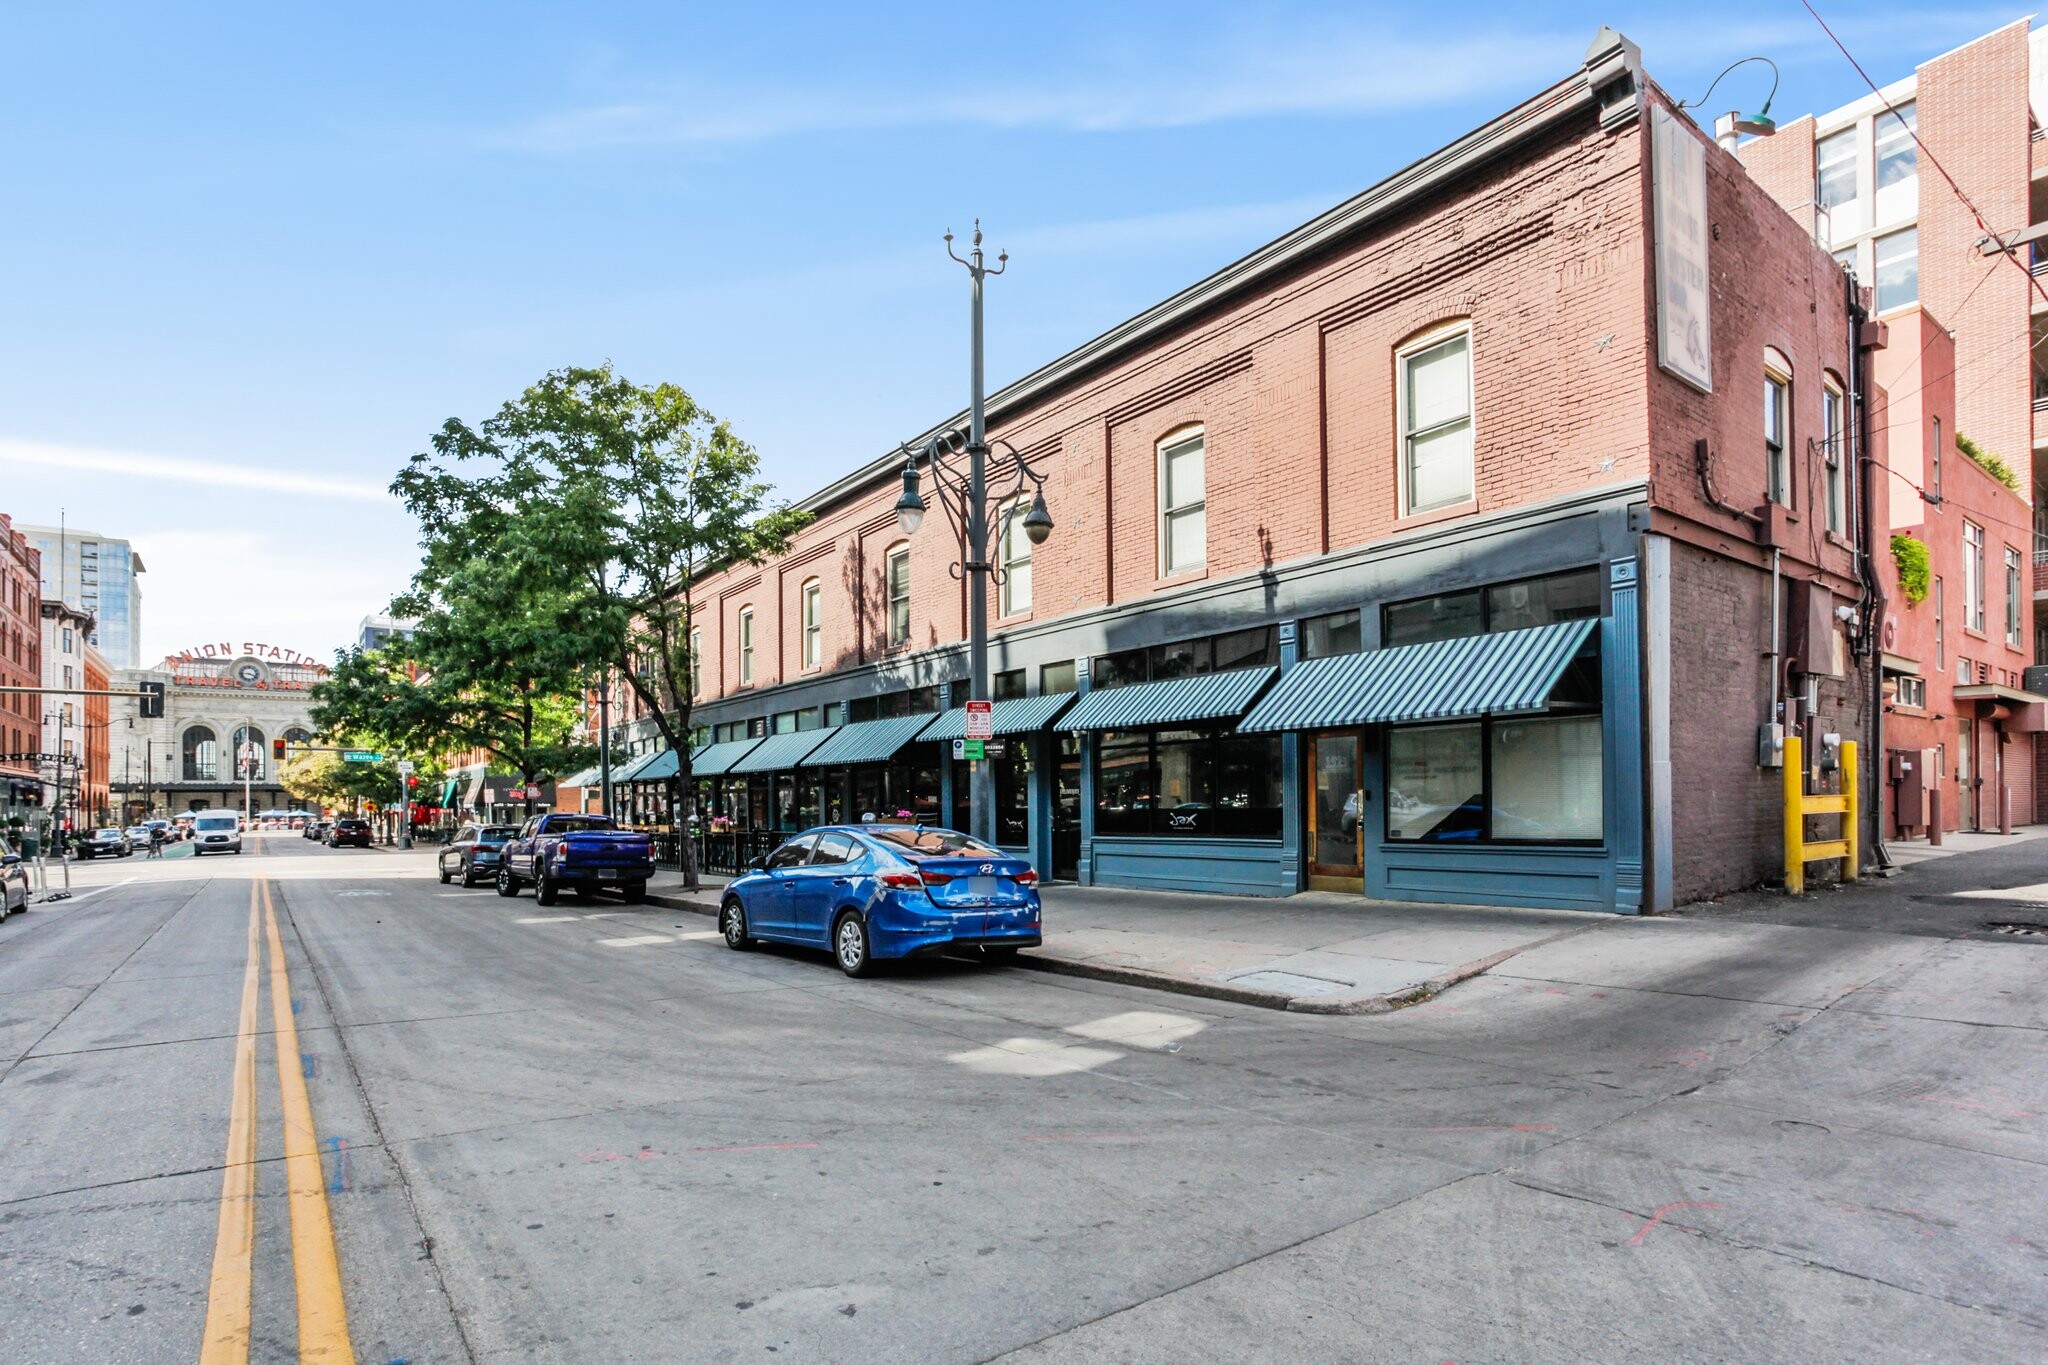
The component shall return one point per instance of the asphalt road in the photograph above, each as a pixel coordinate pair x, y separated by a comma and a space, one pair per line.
592, 1133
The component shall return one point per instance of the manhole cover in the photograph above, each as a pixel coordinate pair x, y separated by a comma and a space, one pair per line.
2018, 929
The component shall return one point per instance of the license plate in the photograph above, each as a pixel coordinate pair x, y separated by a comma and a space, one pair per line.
982, 887
607, 876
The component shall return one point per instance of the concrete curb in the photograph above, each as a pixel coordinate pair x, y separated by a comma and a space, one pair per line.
667, 902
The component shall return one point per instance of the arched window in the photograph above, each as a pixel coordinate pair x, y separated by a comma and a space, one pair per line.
202, 754
1434, 394
1777, 426
896, 583
298, 734
811, 596
249, 752
1183, 503
1015, 554
746, 646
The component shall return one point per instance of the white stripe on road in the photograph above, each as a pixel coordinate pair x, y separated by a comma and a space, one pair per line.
73, 896
700, 934
637, 941
548, 919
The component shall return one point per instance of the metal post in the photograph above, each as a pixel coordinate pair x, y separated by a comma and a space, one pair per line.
1852, 811
248, 757
604, 742
404, 812
1795, 816
981, 803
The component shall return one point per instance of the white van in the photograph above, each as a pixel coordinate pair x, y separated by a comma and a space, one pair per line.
216, 831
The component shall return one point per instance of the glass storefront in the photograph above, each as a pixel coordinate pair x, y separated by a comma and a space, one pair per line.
1196, 783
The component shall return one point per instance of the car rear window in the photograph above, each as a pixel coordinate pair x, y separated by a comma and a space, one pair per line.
496, 834
600, 823
932, 843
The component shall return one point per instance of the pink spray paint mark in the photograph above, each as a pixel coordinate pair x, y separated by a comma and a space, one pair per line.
1973, 1107
1658, 1217
759, 1147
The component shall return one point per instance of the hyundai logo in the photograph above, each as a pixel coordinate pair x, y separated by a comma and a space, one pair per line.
988, 867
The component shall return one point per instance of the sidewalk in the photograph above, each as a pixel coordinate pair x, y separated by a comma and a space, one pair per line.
1316, 953
1906, 852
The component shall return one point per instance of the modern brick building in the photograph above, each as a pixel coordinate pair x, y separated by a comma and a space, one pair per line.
1429, 551
21, 665
1960, 374
74, 726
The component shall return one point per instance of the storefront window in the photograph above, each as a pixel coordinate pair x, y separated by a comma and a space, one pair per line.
1196, 783
1323, 637
1013, 793
1007, 686
1185, 658
1503, 606
1532, 780
1056, 678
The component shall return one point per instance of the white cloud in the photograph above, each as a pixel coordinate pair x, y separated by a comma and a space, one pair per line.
182, 469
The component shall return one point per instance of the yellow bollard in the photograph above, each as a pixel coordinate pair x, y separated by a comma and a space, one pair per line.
1851, 793
1795, 816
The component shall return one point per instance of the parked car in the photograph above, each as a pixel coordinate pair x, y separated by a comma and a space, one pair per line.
474, 852
169, 831
138, 836
105, 843
315, 829
349, 831
584, 852
885, 891
13, 881
216, 831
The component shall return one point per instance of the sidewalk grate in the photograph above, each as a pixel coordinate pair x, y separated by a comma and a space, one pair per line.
2018, 929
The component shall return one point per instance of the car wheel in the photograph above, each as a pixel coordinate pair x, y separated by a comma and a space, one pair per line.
544, 888
508, 885
445, 877
850, 945
732, 922
468, 875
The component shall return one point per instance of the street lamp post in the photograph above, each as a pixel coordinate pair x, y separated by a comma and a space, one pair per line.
962, 493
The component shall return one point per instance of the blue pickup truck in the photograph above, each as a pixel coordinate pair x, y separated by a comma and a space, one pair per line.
583, 852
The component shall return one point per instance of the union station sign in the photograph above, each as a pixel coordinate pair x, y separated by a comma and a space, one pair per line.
253, 666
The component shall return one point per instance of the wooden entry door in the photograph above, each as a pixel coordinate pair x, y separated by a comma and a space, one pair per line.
1336, 810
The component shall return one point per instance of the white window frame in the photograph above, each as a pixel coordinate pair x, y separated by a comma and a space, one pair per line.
900, 551
1404, 357
1828, 153
810, 601
1877, 265
1834, 484
1013, 549
746, 646
696, 662
1894, 135
1778, 444
1171, 513
1973, 577
2014, 589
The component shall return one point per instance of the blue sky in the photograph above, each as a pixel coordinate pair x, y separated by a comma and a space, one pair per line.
260, 242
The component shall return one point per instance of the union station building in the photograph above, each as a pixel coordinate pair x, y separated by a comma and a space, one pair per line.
224, 702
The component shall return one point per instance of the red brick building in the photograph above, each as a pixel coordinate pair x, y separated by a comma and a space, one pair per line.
21, 665
1864, 180
1430, 550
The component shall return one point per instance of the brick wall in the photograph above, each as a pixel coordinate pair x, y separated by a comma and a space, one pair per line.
1293, 389
1782, 167
21, 647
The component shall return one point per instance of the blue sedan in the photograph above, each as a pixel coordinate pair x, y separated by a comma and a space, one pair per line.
866, 892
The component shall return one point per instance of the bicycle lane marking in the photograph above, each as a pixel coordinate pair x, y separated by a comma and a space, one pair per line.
226, 1336
316, 1265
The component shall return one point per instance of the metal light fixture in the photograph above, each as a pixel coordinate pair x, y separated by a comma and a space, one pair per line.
1735, 125
1038, 521
910, 507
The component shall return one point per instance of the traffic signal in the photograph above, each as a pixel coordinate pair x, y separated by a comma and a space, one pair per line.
412, 782
152, 697
277, 750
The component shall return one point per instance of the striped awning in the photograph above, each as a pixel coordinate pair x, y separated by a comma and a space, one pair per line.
655, 768
867, 741
636, 770
1206, 696
714, 760
1478, 675
1017, 716
588, 777
782, 751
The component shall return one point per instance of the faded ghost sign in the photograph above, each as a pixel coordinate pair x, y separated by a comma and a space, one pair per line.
1678, 167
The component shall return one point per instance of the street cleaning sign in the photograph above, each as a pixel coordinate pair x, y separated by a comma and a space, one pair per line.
981, 720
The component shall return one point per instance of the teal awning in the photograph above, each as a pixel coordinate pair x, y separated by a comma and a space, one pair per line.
782, 751
714, 760
448, 794
1017, 716
1478, 675
656, 768
1206, 696
588, 777
636, 770
867, 741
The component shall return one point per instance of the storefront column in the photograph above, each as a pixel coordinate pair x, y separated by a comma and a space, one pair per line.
1293, 782
1622, 734
1045, 772
1084, 867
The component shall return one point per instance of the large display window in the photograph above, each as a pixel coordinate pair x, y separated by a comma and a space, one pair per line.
1188, 784
1515, 780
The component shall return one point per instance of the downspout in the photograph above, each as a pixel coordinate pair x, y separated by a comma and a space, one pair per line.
1873, 584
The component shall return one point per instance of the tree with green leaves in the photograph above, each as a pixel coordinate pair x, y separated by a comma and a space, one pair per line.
605, 500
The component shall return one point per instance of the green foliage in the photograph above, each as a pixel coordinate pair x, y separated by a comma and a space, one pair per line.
1990, 463
571, 525
1915, 570
325, 779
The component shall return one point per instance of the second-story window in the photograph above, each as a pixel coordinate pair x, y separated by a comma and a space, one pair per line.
1834, 161
1940, 633
896, 573
1835, 485
2012, 597
814, 630
747, 647
1435, 381
1183, 505
696, 662
1973, 576
1777, 434
1934, 468
1896, 263
1016, 559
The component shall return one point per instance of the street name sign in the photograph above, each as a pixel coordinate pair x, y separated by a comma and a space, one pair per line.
404, 766
361, 756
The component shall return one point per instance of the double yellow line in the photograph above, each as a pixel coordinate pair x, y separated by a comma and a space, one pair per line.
316, 1268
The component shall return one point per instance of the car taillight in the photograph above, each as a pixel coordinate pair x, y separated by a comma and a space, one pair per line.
904, 881
1027, 877
934, 878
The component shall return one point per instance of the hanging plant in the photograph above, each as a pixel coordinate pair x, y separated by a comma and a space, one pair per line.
1916, 573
